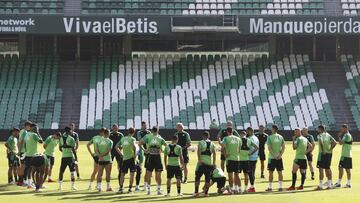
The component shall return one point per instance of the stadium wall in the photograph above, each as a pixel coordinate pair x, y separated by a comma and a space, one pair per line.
86, 135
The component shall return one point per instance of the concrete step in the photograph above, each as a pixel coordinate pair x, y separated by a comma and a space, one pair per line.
331, 77
73, 77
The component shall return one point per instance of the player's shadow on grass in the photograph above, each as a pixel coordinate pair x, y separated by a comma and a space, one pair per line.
187, 196
93, 196
61, 193
18, 192
142, 198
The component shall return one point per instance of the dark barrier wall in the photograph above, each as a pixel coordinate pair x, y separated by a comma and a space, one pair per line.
85, 135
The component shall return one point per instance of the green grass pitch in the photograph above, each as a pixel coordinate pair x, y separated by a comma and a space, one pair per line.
11, 193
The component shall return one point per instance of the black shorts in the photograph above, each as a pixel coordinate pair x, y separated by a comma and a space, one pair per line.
116, 156
262, 155
128, 165
185, 154
252, 166
104, 163
154, 163
244, 166
28, 161
233, 166
146, 160
275, 164
309, 156
174, 171
220, 182
67, 162
346, 163
13, 160
324, 161
96, 159
203, 170
38, 161
301, 163
51, 160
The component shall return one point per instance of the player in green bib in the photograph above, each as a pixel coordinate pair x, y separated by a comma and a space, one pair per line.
174, 163
66, 145
326, 146
139, 136
232, 146
75, 135
309, 156
12, 155
103, 150
205, 165
276, 147
244, 163
154, 143
32, 139
302, 147
223, 133
21, 147
127, 149
94, 141
218, 177
345, 140
50, 144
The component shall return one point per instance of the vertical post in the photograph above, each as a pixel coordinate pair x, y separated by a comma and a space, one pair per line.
272, 45
222, 44
55, 45
77, 57
101, 45
337, 48
127, 44
22, 43
32, 44
314, 48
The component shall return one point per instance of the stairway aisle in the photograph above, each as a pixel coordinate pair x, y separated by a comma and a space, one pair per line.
331, 77
72, 78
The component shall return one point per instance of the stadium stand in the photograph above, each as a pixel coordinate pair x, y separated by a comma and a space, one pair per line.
28, 91
32, 7
352, 69
350, 7
192, 88
204, 7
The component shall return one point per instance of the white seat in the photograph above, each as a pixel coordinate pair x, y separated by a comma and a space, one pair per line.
285, 12
277, 12
191, 6
270, 6
264, 12
199, 12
